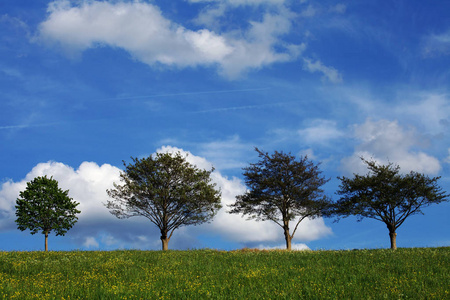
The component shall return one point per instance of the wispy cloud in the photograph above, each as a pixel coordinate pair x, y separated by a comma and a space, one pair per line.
321, 132
437, 44
23, 126
187, 94
329, 73
244, 107
36, 125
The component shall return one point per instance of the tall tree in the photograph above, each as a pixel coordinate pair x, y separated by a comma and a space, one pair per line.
167, 190
44, 207
282, 188
387, 196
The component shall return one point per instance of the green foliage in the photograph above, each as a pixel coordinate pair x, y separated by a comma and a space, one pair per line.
385, 195
421, 273
282, 188
167, 190
44, 207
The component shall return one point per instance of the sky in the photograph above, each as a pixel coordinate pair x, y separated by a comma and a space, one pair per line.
85, 85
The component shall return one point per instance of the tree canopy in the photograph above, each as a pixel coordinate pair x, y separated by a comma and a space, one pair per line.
44, 207
167, 190
280, 189
387, 196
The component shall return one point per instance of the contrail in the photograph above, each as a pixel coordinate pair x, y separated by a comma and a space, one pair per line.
186, 94
27, 126
22, 126
242, 107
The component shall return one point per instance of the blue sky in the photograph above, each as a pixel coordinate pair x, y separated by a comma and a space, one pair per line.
87, 84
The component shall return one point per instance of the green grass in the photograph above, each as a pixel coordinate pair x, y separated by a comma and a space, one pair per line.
421, 273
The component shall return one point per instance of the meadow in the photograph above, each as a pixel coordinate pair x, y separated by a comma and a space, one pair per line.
416, 273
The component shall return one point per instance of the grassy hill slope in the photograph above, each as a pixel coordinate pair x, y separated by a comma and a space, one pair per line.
418, 273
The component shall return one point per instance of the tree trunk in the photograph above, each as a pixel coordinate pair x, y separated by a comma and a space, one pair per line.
46, 241
165, 241
287, 237
393, 237
165, 244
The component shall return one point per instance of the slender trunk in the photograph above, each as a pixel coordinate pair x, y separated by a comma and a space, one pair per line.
288, 243
287, 236
46, 241
393, 237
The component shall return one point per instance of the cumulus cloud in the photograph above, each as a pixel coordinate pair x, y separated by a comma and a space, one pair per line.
198, 161
294, 246
329, 73
386, 141
142, 30
97, 228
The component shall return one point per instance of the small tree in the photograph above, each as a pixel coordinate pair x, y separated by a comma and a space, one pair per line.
44, 207
167, 190
387, 196
281, 189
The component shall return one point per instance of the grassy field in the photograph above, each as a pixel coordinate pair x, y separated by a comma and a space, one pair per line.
421, 273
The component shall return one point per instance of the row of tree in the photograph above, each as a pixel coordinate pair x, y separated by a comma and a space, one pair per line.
171, 192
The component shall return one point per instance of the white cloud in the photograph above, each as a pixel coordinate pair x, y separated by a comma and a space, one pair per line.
256, 49
91, 242
294, 246
338, 8
8, 194
210, 15
386, 141
242, 2
200, 162
308, 153
320, 132
136, 27
226, 154
110, 240
309, 12
437, 44
329, 73
216, 9
447, 160
432, 110
142, 30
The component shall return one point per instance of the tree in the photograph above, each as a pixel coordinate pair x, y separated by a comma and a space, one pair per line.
167, 190
282, 188
387, 196
44, 207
